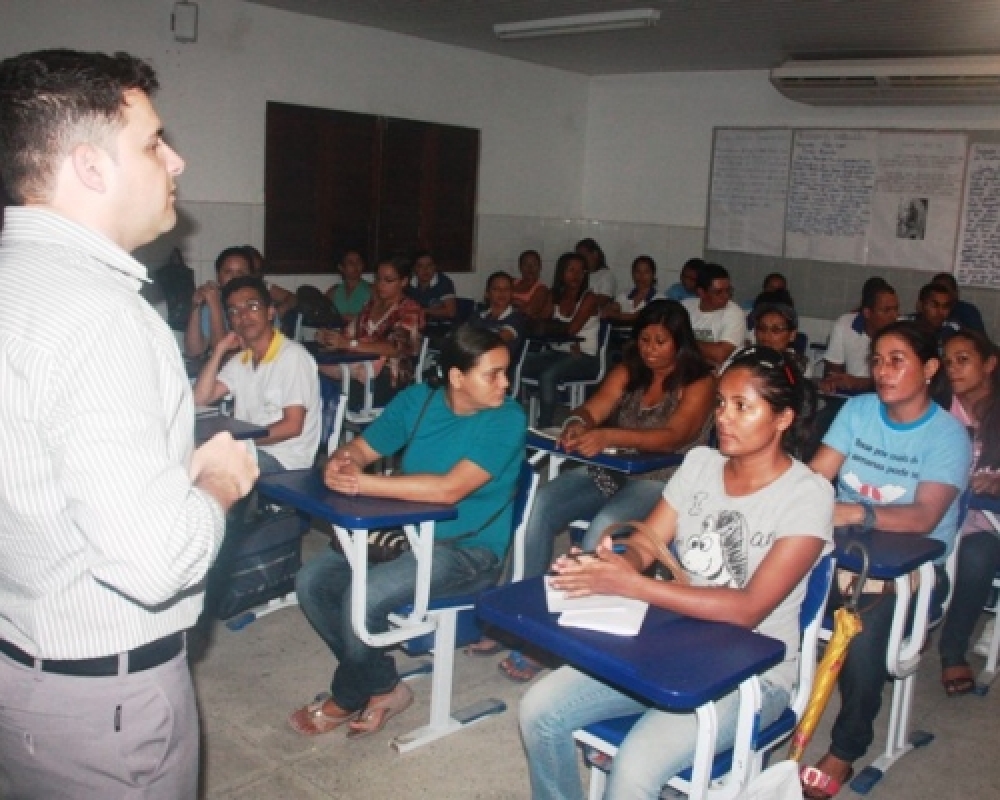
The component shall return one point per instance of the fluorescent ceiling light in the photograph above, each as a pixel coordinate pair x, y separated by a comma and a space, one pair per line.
581, 23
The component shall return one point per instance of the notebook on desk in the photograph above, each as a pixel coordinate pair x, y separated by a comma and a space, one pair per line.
621, 616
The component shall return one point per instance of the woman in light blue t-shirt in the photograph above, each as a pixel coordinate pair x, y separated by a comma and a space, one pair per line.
900, 462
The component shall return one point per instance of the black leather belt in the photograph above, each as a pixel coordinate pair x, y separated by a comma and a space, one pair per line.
141, 658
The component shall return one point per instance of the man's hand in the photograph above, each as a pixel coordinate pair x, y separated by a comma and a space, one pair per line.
224, 468
331, 339
212, 294
231, 341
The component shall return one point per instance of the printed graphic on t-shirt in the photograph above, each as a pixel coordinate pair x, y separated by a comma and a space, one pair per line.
885, 493
719, 554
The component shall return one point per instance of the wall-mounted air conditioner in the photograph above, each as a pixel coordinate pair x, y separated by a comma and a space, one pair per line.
955, 80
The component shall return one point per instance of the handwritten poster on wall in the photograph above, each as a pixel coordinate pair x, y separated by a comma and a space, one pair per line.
918, 196
748, 190
830, 193
977, 260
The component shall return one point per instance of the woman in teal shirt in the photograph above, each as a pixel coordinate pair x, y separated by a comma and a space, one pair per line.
462, 444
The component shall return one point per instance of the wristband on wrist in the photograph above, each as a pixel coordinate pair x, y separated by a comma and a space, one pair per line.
868, 521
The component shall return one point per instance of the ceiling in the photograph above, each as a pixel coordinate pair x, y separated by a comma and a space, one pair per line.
691, 34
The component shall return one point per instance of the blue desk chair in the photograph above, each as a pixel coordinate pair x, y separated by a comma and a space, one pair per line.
576, 390
733, 769
456, 626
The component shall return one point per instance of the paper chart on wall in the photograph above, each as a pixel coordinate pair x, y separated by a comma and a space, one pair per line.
977, 260
918, 196
748, 190
830, 192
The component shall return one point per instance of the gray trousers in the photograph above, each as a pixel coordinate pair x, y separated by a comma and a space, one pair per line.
80, 738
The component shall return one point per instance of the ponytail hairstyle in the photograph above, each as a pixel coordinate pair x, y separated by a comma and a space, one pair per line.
781, 383
989, 414
462, 351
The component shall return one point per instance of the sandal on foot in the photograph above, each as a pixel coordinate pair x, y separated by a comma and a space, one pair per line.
817, 785
484, 647
519, 668
312, 720
380, 711
958, 680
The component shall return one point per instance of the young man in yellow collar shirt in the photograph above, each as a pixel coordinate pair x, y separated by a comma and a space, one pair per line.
273, 380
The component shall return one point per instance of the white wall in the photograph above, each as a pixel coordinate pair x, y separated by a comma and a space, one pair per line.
649, 137
214, 93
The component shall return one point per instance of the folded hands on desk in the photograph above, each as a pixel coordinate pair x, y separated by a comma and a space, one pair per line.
601, 572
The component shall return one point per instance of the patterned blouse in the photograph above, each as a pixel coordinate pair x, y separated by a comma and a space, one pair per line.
630, 414
402, 325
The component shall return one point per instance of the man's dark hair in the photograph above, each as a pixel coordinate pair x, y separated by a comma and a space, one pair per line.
946, 279
239, 252
709, 273
932, 288
246, 282
52, 99
872, 288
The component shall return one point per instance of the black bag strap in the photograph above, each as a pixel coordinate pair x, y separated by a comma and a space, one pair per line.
416, 425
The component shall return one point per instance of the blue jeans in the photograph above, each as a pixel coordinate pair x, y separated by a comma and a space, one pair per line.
660, 745
552, 367
864, 673
323, 586
572, 496
978, 559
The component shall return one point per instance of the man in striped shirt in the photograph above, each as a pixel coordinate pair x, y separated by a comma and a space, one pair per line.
109, 519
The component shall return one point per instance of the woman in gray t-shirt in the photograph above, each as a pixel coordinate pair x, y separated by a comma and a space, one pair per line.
749, 522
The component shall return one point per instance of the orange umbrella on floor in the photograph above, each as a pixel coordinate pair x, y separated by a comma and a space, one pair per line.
846, 625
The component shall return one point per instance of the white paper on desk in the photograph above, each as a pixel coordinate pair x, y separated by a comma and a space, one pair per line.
623, 621
556, 600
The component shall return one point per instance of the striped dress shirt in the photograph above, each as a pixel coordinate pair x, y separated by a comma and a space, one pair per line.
104, 542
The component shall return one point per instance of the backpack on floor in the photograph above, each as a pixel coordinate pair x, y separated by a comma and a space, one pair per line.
258, 561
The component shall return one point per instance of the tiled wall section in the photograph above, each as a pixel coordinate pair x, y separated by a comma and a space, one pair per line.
826, 290
203, 229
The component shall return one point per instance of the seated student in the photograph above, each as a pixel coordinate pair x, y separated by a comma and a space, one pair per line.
719, 324
773, 282
627, 305
273, 381
687, 287
282, 299
575, 306
207, 323
500, 315
660, 399
713, 504
900, 462
600, 279
389, 326
934, 304
850, 340
776, 324
970, 361
433, 290
963, 314
461, 444
350, 295
529, 295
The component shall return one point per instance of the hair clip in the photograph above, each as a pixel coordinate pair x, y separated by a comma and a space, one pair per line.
789, 374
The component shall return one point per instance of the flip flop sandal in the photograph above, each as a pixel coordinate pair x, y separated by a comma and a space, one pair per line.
484, 647
312, 720
964, 681
518, 668
817, 785
373, 718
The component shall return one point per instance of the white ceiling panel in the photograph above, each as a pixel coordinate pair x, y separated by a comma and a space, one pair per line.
691, 34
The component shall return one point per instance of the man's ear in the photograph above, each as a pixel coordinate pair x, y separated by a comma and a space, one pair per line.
90, 165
